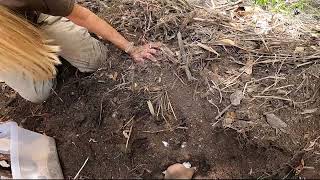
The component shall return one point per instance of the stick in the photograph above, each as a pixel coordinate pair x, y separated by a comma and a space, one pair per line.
179, 78
127, 123
274, 97
170, 105
101, 108
311, 99
127, 143
223, 111
184, 58
218, 89
229, 84
84, 164
57, 95
211, 102
165, 130
182, 50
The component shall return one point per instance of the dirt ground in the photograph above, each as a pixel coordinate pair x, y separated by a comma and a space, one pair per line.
89, 114
83, 129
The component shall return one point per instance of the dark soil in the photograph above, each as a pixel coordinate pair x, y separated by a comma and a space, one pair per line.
86, 119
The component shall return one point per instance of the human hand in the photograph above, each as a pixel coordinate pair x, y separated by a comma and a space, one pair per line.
146, 52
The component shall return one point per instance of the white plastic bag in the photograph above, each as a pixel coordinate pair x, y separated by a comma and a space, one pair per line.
32, 155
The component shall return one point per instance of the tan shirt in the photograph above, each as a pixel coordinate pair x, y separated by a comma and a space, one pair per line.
51, 7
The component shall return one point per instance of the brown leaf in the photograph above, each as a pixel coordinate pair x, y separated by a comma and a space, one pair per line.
229, 118
248, 67
276, 122
236, 98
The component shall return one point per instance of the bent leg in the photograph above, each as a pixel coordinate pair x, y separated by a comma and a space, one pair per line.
77, 46
28, 88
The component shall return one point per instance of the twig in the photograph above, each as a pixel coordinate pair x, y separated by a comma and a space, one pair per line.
274, 97
269, 77
231, 83
180, 79
223, 111
118, 86
84, 164
162, 103
277, 109
101, 108
128, 139
127, 123
264, 42
303, 64
301, 84
184, 58
311, 99
211, 102
282, 87
245, 88
165, 130
218, 89
170, 105
276, 79
57, 95
195, 91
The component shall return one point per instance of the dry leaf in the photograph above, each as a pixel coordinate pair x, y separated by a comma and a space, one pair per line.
248, 67
236, 97
276, 122
151, 109
115, 75
229, 118
208, 48
227, 42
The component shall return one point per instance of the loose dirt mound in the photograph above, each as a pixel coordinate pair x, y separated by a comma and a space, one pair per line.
271, 132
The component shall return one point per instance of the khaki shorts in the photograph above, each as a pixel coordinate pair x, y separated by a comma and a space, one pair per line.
77, 47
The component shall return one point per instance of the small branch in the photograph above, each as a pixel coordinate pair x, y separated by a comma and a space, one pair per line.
180, 79
184, 58
128, 139
223, 111
274, 97
84, 164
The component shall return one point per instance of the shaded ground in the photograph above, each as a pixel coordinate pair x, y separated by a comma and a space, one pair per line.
89, 114
81, 132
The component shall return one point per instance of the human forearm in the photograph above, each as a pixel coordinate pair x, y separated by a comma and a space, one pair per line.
85, 18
